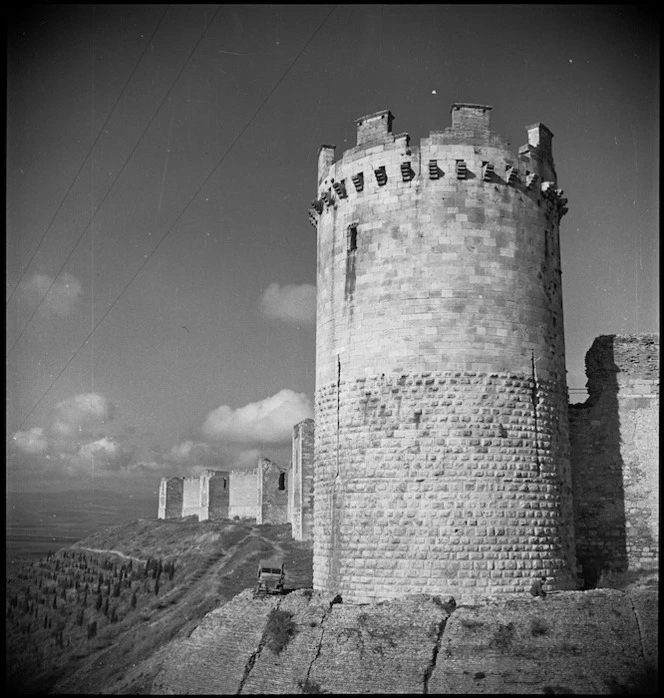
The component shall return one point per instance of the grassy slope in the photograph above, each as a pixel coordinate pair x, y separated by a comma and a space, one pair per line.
214, 561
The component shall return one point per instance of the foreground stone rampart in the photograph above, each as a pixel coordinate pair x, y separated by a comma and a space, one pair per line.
598, 642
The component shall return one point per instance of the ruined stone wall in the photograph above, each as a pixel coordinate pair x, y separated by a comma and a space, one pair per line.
218, 494
441, 444
192, 496
170, 498
614, 445
243, 494
302, 475
272, 493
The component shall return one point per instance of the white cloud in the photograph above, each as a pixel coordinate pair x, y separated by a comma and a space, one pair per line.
269, 421
184, 450
61, 297
76, 440
32, 441
72, 415
292, 303
103, 447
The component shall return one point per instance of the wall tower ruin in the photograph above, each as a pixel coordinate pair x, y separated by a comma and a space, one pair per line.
441, 442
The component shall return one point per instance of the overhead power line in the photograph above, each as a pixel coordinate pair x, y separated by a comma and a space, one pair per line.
183, 211
117, 176
87, 157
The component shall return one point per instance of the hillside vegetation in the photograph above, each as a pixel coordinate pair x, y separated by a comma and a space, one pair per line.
79, 619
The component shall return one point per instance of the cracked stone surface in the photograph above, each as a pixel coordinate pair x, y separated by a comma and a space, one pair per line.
583, 642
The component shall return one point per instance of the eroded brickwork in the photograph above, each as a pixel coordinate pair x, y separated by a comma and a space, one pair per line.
441, 442
614, 439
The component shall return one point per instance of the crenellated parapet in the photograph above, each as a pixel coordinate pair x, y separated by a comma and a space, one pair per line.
466, 151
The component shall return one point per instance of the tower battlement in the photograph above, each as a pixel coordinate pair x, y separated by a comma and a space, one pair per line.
468, 152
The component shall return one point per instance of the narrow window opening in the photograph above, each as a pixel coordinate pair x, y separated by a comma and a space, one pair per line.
282, 481
352, 238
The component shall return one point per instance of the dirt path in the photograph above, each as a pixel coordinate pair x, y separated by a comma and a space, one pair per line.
103, 551
171, 615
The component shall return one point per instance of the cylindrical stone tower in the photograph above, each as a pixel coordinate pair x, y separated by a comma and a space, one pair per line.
441, 446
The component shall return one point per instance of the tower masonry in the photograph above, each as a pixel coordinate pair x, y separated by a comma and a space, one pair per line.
442, 440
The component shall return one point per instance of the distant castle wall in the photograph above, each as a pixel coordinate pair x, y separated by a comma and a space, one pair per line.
261, 494
301, 482
205, 496
170, 498
272, 493
218, 498
243, 496
191, 496
614, 447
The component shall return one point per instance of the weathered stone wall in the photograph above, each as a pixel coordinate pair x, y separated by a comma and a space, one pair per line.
441, 440
272, 493
614, 442
192, 496
602, 641
205, 496
243, 494
170, 498
302, 477
218, 494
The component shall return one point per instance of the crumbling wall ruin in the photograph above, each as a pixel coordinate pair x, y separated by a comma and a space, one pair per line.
170, 498
272, 493
243, 495
301, 479
205, 496
614, 447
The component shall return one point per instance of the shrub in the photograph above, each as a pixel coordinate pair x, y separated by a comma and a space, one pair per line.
503, 636
471, 624
308, 686
279, 630
538, 627
569, 647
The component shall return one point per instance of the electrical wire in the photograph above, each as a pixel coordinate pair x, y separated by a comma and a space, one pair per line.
117, 176
182, 212
87, 157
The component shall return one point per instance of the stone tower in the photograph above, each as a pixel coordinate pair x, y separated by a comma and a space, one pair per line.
441, 443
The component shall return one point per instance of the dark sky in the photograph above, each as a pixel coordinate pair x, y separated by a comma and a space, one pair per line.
160, 163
